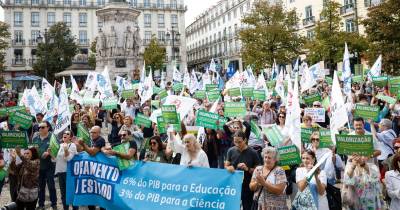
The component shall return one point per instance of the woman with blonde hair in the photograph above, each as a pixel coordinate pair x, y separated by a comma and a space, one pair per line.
192, 154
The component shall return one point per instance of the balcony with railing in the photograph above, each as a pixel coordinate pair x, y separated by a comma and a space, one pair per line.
347, 9
18, 42
33, 42
83, 42
180, 7
309, 21
18, 62
50, 4
32, 61
372, 3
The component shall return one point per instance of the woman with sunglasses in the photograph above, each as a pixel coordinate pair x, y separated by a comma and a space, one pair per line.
311, 194
155, 152
116, 125
75, 120
66, 152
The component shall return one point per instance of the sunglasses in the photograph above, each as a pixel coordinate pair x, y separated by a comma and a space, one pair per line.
42, 127
281, 116
123, 135
314, 139
236, 127
153, 143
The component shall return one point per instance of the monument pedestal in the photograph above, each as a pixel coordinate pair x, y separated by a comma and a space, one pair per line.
119, 41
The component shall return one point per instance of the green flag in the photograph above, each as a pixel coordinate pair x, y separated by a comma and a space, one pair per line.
83, 133
53, 145
123, 149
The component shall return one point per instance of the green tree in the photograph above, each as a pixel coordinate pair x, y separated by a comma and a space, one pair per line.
55, 54
4, 36
154, 55
92, 55
328, 43
271, 34
383, 33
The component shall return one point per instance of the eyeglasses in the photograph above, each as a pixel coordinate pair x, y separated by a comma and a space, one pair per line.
153, 143
236, 127
42, 127
123, 135
314, 139
187, 142
281, 116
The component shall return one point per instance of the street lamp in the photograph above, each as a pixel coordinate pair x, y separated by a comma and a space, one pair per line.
47, 40
175, 37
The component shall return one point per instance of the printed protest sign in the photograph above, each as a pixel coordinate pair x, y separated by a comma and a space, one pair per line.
155, 103
317, 114
21, 118
12, 139
143, 120
259, 95
387, 99
54, 146
367, 112
234, 92
207, 119
156, 89
161, 125
309, 99
128, 93
123, 149
83, 133
354, 144
177, 87
200, 94
211, 87
169, 114
273, 134
357, 79
325, 139
271, 84
91, 101
288, 155
213, 95
221, 122
110, 104
97, 180
163, 94
306, 134
255, 129
234, 109
247, 92
380, 81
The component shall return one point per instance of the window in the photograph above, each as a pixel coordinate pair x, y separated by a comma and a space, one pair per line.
229, 16
34, 36
101, 2
308, 12
50, 1
147, 20
99, 24
18, 36
241, 10
18, 18
146, 3
134, 3
174, 20
34, 1
83, 37
310, 34
173, 4
161, 36
82, 19
82, 2
18, 1
223, 18
235, 13
160, 3
350, 26
51, 18
67, 18
161, 22
35, 19
147, 35
67, 2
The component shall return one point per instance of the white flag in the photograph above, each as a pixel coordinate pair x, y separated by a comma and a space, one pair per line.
35, 103
104, 85
64, 115
186, 79
53, 108
47, 91
295, 115
24, 101
146, 89
279, 86
143, 73
346, 76
213, 67
376, 68
337, 107
119, 81
183, 104
75, 91
249, 78
206, 79
307, 80
177, 75
91, 81
194, 83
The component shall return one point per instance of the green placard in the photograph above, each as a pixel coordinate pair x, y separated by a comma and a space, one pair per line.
394, 81
367, 112
394, 88
309, 99
156, 90
177, 87
16, 108
155, 103
247, 92
207, 119
234, 109
222, 121
123, 149
161, 125
11, 139
329, 80
141, 119
110, 104
357, 79
200, 94
273, 135
169, 114
271, 84
83, 134
213, 95
288, 155
255, 129
21, 118
358, 144
326, 103
387, 99
234, 92
259, 95
211, 87
91, 101
163, 94
128, 93
3, 112
54, 146
325, 140
380, 81
306, 134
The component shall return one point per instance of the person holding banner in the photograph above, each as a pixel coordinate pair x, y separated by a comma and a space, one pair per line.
156, 152
358, 124
126, 140
269, 181
312, 190
66, 152
192, 154
242, 157
98, 142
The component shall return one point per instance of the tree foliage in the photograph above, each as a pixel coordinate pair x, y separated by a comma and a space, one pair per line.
270, 34
92, 55
154, 55
383, 33
4, 36
328, 43
58, 55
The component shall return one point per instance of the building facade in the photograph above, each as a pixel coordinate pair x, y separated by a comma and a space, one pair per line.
214, 34
29, 18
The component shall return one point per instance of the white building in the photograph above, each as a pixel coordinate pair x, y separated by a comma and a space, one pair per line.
214, 34
29, 18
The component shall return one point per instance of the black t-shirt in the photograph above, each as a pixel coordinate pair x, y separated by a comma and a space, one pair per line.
99, 142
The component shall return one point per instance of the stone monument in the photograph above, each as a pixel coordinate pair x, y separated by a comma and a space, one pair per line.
118, 41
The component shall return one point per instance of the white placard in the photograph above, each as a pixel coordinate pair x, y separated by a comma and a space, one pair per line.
317, 114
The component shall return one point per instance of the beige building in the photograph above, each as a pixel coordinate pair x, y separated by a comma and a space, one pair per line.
29, 18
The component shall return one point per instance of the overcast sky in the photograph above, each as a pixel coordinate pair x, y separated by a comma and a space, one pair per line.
195, 8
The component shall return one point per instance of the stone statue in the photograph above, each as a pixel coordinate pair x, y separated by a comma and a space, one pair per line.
137, 42
128, 41
112, 43
101, 44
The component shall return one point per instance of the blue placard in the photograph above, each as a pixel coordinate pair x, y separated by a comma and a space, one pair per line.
98, 181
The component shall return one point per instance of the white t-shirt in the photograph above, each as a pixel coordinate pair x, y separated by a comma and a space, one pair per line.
301, 173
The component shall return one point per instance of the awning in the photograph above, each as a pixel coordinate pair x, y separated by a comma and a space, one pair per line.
26, 78
66, 73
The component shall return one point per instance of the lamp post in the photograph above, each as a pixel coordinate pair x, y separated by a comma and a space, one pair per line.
47, 40
175, 37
